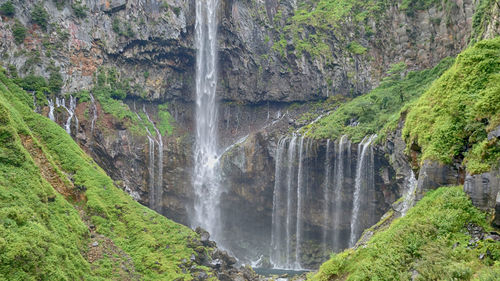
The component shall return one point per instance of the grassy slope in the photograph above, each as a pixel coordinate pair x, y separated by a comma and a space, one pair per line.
42, 235
431, 240
452, 119
379, 107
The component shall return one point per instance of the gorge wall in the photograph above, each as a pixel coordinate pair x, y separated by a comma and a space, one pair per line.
265, 84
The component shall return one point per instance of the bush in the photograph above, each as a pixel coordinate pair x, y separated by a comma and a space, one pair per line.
80, 10
55, 82
19, 32
40, 16
7, 9
33, 83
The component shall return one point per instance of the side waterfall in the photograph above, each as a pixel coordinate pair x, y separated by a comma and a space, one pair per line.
277, 247
51, 110
156, 184
71, 111
342, 170
409, 195
206, 182
294, 183
326, 196
94, 114
364, 180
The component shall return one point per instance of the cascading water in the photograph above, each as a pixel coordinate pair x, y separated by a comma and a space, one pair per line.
295, 168
409, 195
277, 250
51, 110
206, 180
364, 181
343, 155
94, 114
289, 191
156, 189
326, 196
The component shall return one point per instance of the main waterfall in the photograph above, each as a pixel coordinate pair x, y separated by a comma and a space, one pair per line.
206, 180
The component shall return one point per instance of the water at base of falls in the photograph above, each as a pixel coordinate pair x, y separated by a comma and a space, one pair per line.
206, 181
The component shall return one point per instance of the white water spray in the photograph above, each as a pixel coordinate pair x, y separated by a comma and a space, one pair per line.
360, 185
206, 180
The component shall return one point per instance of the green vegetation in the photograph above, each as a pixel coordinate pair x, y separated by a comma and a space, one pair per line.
110, 90
452, 119
481, 18
19, 32
166, 120
7, 9
45, 234
431, 240
122, 29
79, 9
380, 107
40, 16
356, 48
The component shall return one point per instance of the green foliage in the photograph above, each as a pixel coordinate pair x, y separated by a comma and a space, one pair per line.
176, 10
452, 119
122, 29
55, 82
43, 235
79, 10
481, 18
411, 6
40, 16
116, 25
356, 48
431, 240
7, 9
369, 113
166, 120
59, 4
33, 82
19, 32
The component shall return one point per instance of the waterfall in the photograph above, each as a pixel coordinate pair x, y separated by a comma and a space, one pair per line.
51, 110
70, 110
156, 186
300, 202
290, 176
290, 187
363, 181
206, 180
94, 114
344, 147
409, 196
326, 195
276, 255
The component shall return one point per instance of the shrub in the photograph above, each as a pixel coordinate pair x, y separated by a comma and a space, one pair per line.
55, 82
19, 32
7, 9
80, 10
40, 16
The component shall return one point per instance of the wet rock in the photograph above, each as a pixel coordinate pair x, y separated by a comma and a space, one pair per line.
483, 189
433, 175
